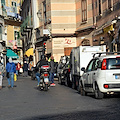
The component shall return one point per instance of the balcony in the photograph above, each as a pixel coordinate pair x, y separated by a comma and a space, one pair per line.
27, 24
11, 16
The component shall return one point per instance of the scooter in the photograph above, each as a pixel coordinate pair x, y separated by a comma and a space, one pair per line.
44, 78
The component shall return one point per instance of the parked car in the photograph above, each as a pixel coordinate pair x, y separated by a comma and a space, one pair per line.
101, 76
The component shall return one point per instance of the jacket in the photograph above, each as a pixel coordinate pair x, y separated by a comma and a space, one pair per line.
52, 66
25, 67
10, 67
18, 67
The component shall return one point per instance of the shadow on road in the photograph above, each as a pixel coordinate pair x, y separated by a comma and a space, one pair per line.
84, 115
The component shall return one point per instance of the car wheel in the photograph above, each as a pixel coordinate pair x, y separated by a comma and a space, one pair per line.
98, 93
59, 80
79, 87
82, 92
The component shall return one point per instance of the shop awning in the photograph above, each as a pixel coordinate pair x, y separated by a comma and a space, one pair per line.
29, 52
11, 54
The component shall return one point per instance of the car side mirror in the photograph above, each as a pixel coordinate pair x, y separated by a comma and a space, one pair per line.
83, 69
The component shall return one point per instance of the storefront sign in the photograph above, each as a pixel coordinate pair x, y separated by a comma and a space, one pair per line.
64, 42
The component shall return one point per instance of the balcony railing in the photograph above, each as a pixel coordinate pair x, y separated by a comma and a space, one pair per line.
10, 12
26, 23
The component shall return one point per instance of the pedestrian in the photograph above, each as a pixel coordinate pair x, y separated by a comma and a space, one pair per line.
30, 66
11, 70
25, 69
1, 73
52, 70
42, 62
18, 69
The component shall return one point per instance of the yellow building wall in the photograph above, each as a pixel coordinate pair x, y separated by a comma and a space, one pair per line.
10, 35
10, 29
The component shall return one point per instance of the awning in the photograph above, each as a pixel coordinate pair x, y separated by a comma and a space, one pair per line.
11, 54
108, 28
29, 52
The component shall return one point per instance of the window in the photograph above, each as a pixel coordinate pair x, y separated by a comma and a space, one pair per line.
44, 11
109, 4
90, 65
0, 29
96, 63
17, 37
84, 10
100, 11
113, 63
14, 7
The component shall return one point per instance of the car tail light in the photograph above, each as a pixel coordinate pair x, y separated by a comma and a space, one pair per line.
106, 86
68, 70
118, 57
45, 75
104, 64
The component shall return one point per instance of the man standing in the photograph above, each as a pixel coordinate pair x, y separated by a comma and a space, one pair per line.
1, 73
11, 69
52, 70
25, 69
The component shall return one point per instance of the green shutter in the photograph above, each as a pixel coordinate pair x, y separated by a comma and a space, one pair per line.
2, 2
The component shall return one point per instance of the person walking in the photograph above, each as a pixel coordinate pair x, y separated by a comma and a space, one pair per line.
25, 69
1, 73
11, 69
18, 68
52, 70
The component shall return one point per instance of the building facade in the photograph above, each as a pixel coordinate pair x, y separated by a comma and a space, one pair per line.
59, 19
107, 14
64, 24
85, 22
10, 21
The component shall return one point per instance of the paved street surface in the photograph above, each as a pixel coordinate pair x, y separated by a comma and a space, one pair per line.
26, 102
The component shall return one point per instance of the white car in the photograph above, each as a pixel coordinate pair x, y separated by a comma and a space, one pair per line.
102, 75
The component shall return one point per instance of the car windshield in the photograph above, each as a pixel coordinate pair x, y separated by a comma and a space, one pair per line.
113, 63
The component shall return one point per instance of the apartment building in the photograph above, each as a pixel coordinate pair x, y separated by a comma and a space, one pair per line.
107, 16
51, 21
59, 18
9, 30
12, 21
64, 24
85, 22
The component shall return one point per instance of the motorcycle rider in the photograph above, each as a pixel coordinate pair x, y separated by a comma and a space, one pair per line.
43, 61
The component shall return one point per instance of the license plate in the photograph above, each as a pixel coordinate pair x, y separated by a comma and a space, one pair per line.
46, 80
117, 76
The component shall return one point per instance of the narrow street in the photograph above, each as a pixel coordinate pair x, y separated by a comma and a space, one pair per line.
26, 102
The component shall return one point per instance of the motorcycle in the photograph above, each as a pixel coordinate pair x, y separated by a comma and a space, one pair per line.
44, 77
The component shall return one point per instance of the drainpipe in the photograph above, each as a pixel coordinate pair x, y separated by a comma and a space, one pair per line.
35, 25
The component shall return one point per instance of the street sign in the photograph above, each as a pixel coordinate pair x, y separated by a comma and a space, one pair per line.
46, 32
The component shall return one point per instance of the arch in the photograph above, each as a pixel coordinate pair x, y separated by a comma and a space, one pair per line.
85, 42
